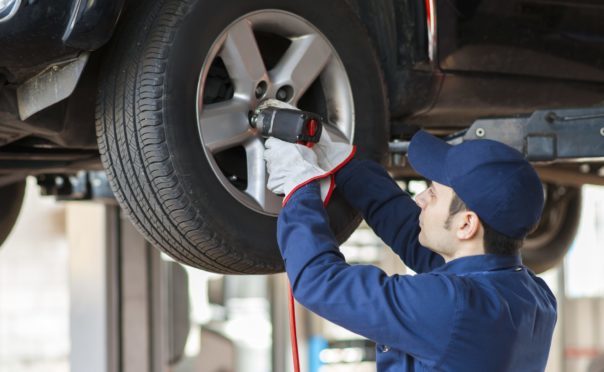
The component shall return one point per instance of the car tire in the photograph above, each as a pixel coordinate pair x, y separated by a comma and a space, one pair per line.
545, 247
185, 199
12, 199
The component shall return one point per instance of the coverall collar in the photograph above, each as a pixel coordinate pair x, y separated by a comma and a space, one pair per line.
481, 262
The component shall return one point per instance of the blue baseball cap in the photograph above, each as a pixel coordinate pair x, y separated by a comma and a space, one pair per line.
492, 179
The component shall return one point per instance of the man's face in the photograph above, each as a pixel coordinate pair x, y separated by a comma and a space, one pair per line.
435, 202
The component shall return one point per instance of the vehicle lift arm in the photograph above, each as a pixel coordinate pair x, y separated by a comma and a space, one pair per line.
544, 136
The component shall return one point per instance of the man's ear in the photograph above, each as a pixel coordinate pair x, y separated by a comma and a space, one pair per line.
468, 225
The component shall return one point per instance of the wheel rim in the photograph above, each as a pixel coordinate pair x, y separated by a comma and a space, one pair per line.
265, 54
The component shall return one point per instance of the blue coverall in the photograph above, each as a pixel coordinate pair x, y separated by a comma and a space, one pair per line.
484, 313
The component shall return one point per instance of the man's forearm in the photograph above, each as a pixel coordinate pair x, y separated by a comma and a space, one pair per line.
303, 232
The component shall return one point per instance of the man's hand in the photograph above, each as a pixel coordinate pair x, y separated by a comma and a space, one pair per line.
332, 155
291, 166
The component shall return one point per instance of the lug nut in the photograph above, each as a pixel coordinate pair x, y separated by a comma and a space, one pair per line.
261, 89
285, 93
252, 119
281, 95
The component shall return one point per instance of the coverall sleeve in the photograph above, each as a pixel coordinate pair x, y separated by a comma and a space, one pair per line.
389, 210
413, 314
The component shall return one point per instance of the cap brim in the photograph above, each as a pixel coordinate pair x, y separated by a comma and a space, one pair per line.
427, 155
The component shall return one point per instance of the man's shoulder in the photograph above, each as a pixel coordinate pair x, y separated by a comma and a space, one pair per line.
545, 289
512, 287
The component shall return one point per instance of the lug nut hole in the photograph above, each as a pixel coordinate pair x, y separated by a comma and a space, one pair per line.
261, 89
285, 93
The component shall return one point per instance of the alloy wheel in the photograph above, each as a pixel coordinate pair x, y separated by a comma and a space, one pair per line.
265, 54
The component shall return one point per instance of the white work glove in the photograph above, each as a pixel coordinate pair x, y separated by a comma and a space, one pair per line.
272, 102
291, 166
332, 154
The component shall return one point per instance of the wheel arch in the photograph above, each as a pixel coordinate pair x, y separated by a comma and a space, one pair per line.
398, 29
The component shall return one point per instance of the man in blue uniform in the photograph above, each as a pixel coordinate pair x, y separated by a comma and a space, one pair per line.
472, 306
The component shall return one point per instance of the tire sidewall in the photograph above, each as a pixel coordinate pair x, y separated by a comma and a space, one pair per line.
12, 196
551, 252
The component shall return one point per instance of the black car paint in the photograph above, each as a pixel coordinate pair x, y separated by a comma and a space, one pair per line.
33, 36
44, 31
92, 23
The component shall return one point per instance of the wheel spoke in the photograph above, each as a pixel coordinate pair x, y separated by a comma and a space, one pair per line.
242, 58
257, 177
303, 61
335, 133
224, 125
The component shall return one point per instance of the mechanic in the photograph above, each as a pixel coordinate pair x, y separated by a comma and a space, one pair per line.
472, 306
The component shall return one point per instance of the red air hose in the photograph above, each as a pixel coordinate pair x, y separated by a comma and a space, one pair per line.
292, 331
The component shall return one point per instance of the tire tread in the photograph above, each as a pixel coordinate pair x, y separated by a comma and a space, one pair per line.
134, 151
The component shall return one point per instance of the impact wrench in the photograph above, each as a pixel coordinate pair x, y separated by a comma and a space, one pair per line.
293, 126
288, 125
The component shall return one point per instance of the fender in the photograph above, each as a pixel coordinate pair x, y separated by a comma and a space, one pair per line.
42, 33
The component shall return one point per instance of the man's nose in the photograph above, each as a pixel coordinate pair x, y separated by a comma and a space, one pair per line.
420, 199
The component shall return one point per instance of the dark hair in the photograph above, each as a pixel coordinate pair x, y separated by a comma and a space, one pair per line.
497, 243
494, 241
